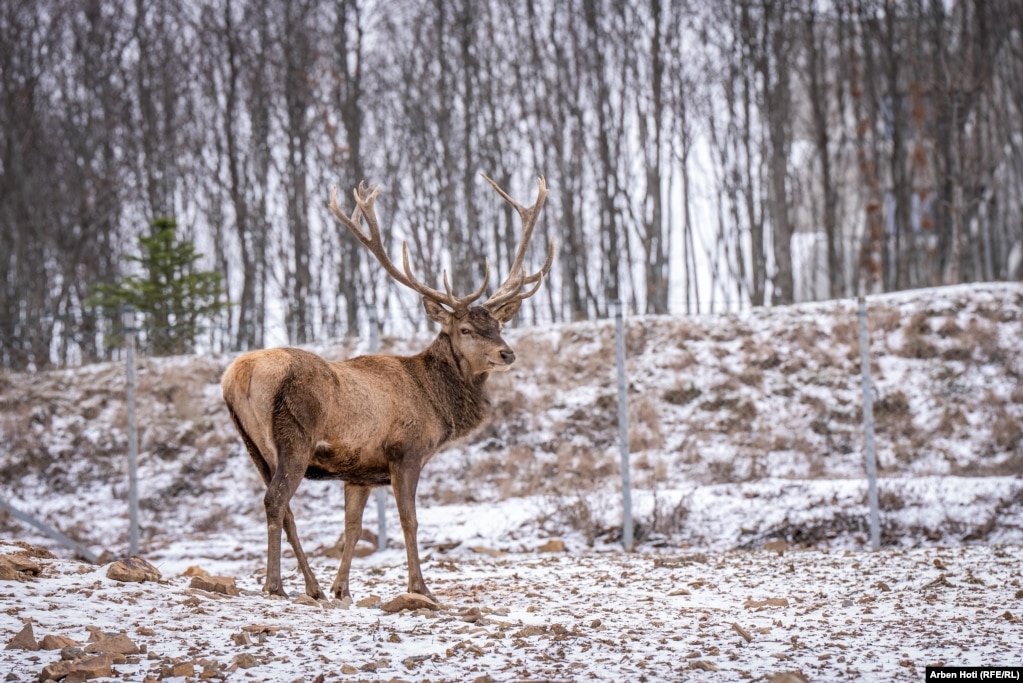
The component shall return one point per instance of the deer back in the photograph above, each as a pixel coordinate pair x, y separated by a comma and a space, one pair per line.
355, 416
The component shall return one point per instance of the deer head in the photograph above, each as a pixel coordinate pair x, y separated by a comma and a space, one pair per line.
474, 330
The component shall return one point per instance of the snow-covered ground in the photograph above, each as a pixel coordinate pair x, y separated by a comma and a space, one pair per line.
596, 616
750, 509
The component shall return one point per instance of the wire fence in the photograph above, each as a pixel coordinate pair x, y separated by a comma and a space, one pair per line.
134, 338
38, 343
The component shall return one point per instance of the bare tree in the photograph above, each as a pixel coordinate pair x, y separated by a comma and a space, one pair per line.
299, 55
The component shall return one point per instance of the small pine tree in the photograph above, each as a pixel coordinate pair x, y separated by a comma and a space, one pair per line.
174, 298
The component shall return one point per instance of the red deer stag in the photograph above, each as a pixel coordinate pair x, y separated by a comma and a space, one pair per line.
374, 420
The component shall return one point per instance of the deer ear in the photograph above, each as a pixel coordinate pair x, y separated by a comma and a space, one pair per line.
507, 311
436, 312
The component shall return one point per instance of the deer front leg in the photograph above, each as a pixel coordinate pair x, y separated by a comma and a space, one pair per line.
355, 503
404, 481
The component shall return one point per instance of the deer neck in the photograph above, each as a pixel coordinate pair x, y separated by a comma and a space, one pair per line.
460, 397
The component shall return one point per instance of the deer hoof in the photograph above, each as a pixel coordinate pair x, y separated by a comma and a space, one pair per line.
274, 588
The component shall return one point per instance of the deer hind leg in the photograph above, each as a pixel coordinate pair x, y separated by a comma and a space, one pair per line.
355, 503
266, 472
404, 481
292, 460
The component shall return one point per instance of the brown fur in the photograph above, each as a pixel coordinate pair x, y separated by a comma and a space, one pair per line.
369, 421
375, 420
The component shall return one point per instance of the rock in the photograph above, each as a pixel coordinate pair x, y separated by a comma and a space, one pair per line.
96, 633
471, 615
555, 545
17, 567
303, 599
72, 652
53, 642
56, 671
415, 660
93, 667
365, 546
24, 640
742, 632
777, 545
245, 661
788, 677
119, 644
262, 629
769, 602
411, 601
371, 601
703, 665
133, 570
195, 571
177, 669
225, 585
97, 666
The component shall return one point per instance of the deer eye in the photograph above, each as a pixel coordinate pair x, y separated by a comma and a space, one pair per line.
466, 330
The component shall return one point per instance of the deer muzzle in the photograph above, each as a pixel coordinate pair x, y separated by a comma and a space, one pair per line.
504, 360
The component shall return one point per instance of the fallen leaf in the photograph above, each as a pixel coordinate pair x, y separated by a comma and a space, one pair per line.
769, 602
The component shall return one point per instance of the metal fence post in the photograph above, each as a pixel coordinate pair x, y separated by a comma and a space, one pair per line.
61, 538
381, 493
868, 425
623, 428
128, 319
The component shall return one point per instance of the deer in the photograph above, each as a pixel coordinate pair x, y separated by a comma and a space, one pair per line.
375, 420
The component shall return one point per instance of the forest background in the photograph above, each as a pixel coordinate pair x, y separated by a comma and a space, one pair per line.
702, 156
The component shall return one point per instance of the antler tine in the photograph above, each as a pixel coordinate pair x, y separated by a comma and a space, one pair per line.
466, 300
364, 199
448, 298
512, 287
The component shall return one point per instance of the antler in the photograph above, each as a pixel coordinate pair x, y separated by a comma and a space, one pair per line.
364, 198
512, 288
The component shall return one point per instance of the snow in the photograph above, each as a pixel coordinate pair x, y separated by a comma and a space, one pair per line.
750, 501
604, 616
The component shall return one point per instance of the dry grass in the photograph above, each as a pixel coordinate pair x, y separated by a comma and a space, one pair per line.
644, 425
682, 394
885, 320
1006, 430
846, 332
788, 395
982, 336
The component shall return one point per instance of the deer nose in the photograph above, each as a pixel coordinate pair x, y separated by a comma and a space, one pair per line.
508, 356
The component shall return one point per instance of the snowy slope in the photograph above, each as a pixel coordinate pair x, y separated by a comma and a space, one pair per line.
745, 431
